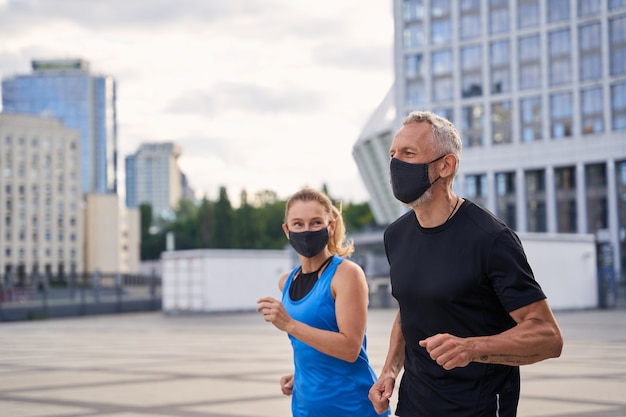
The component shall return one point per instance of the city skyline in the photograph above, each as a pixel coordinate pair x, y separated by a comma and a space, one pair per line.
261, 96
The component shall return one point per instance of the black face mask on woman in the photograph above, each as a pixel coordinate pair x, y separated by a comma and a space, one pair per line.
309, 243
410, 181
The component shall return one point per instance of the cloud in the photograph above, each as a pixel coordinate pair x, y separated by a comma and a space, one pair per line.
268, 94
124, 13
245, 98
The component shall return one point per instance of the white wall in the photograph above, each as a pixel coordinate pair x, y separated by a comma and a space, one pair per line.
220, 280
565, 267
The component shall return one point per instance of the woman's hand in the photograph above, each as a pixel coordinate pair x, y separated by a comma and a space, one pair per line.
286, 384
274, 312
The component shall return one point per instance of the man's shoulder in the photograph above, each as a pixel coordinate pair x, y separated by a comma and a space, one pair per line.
401, 222
483, 218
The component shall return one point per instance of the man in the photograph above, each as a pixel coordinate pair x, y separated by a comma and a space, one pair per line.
470, 311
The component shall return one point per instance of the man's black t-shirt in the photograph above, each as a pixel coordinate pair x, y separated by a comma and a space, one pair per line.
462, 278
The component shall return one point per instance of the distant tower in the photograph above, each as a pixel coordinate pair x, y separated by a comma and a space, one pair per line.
153, 176
65, 89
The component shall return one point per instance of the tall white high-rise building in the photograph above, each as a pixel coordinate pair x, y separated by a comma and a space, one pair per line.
153, 176
41, 218
537, 89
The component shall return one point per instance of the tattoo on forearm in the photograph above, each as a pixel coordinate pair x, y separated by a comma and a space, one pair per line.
508, 359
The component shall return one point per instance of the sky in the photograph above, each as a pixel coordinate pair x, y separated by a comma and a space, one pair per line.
260, 94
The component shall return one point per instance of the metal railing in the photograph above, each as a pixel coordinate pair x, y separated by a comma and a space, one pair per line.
43, 296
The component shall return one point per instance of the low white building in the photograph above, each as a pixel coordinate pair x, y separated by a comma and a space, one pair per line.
220, 280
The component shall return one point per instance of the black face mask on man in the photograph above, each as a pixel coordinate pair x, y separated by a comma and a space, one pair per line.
309, 243
410, 181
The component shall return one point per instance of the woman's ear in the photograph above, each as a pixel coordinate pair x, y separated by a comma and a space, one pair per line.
286, 230
331, 226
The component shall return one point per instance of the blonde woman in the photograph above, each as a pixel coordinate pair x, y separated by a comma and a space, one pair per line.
324, 312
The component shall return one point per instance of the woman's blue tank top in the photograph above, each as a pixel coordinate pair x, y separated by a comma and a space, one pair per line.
325, 386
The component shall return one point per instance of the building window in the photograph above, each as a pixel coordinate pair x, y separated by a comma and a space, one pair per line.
620, 172
616, 4
499, 21
439, 8
592, 114
415, 94
470, 19
558, 10
505, 198
501, 122
588, 8
441, 22
590, 55
565, 189
442, 77
412, 10
476, 188
560, 70
561, 115
472, 125
414, 66
500, 60
527, 14
617, 44
413, 35
529, 62
596, 192
536, 201
414, 74
618, 106
471, 71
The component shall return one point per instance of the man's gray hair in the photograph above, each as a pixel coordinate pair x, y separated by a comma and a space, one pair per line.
446, 138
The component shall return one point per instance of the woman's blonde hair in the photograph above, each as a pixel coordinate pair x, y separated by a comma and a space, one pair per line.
336, 243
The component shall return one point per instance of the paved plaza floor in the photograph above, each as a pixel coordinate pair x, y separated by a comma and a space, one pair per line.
228, 365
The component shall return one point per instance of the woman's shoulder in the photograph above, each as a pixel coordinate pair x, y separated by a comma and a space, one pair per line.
282, 280
348, 267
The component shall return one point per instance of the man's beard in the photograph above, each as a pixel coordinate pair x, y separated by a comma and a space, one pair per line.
424, 198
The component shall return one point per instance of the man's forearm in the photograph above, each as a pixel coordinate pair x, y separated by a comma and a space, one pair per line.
395, 356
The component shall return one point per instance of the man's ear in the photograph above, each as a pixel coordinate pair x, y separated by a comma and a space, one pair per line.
450, 165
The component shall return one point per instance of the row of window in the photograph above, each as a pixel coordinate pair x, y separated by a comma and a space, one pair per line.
561, 68
499, 17
35, 142
564, 186
35, 237
21, 253
22, 189
530, 110
35, 221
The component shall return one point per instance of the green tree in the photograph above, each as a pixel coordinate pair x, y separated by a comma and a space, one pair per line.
205, 224
357, 217
152, 240
185, 225
247, 228
223, 231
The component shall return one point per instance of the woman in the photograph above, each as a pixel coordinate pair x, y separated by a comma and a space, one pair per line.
324, 312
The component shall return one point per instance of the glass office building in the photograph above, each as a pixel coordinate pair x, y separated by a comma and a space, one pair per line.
154, 177
66, 90
537, 89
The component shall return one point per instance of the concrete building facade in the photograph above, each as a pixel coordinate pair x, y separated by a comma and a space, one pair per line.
40, 198
112, 235
537, 89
